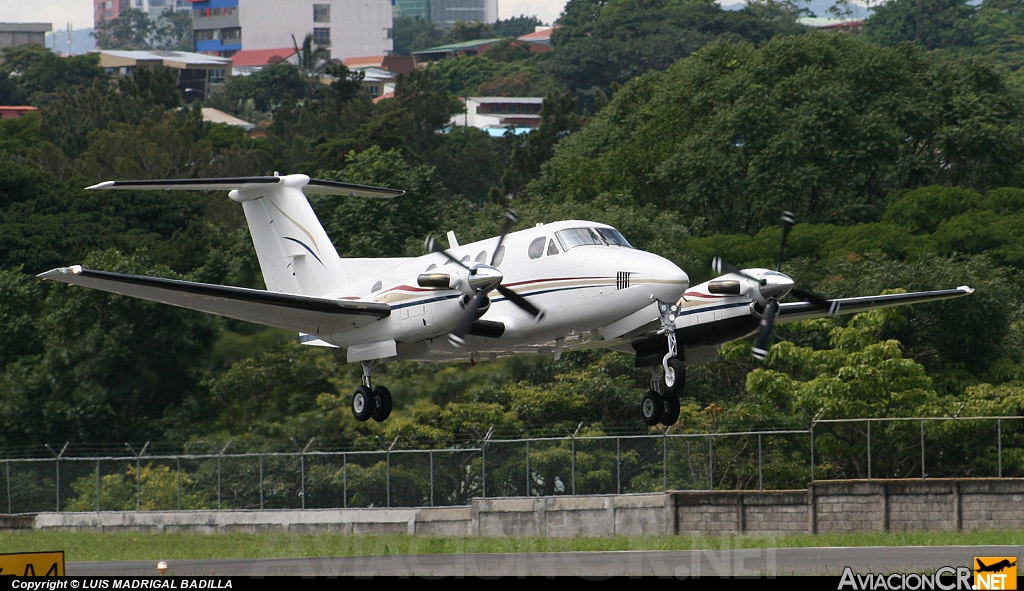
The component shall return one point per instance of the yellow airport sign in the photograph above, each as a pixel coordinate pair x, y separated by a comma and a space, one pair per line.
32, 564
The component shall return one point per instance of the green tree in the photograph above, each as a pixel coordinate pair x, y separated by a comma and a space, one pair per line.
603, 43
413, 34
33, 75
173, 31
151, 488
933, 24
822, 125
111, 367
516, 26
132, 29
558, 118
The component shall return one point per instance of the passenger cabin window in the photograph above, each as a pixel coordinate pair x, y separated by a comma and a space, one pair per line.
431, 267
573, 237
537, 247
552, 249
482, 257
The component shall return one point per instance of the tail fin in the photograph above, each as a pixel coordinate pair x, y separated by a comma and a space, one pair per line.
295, 253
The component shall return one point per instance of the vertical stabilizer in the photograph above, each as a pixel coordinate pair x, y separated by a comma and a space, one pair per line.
295, 253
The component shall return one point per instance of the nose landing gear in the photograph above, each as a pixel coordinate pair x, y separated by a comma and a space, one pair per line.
661, 405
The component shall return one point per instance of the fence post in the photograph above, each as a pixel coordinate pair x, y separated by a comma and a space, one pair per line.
664, 460
869, 449
98, 486
138, 474
431, 454
711, 462
618, 466
999, 444
220, 472
58, 457
302, 471
760, 474
923, 476
261, 481
527, 468
344, 480
387, 468
178, 462
483, 461
810, 430
10, 501
572, 443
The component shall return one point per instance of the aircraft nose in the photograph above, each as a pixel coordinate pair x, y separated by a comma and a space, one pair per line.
668, 281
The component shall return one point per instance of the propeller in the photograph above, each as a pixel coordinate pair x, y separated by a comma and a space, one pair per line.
768, 289
480, 281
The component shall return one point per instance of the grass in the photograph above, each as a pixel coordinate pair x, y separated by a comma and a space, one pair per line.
89, 546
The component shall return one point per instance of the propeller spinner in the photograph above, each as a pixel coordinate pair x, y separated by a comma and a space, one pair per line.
765, 287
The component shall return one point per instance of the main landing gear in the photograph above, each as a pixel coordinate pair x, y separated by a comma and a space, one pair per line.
661, 405
370, 402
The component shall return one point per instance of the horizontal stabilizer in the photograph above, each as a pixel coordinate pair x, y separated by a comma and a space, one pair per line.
305, 314
251, 182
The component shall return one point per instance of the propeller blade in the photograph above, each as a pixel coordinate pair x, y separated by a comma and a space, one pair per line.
472, 308
432, 246
510, 220
522, 302
765, 333
816, 300
787, 225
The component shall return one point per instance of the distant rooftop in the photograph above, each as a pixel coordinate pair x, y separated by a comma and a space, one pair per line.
248, 58
180, 57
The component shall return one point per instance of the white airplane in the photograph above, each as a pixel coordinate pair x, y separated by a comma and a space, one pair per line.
551, 288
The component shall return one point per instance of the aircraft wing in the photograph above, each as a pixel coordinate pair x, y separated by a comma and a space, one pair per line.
296, 313
251, 182
790, 312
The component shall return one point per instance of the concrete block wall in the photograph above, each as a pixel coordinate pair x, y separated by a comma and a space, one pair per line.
836, 506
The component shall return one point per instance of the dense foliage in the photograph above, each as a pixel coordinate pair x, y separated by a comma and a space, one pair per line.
688, 127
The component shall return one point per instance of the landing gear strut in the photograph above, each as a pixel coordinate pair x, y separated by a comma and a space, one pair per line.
661, 404
369, 401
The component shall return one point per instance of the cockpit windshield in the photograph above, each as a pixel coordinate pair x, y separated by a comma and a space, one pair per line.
573, 237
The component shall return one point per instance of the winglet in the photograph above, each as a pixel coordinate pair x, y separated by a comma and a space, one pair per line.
969, 290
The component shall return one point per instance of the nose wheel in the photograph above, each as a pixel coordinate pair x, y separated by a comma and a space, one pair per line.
656, 408
371, 402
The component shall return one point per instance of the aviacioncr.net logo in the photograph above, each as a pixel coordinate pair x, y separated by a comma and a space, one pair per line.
947, 578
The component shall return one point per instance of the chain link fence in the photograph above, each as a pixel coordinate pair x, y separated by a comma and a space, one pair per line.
140, 480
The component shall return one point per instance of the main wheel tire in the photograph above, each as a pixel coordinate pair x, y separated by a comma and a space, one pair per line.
651, 408
363, 403
675, 376
382, 407
670, 409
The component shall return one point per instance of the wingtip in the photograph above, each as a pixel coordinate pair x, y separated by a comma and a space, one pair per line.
53, 273
103, 185
968, 290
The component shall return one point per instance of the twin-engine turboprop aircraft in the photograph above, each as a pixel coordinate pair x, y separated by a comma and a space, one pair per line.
551, 288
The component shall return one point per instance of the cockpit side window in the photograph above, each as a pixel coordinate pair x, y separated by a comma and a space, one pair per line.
552, 248
536, 249
612, 237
